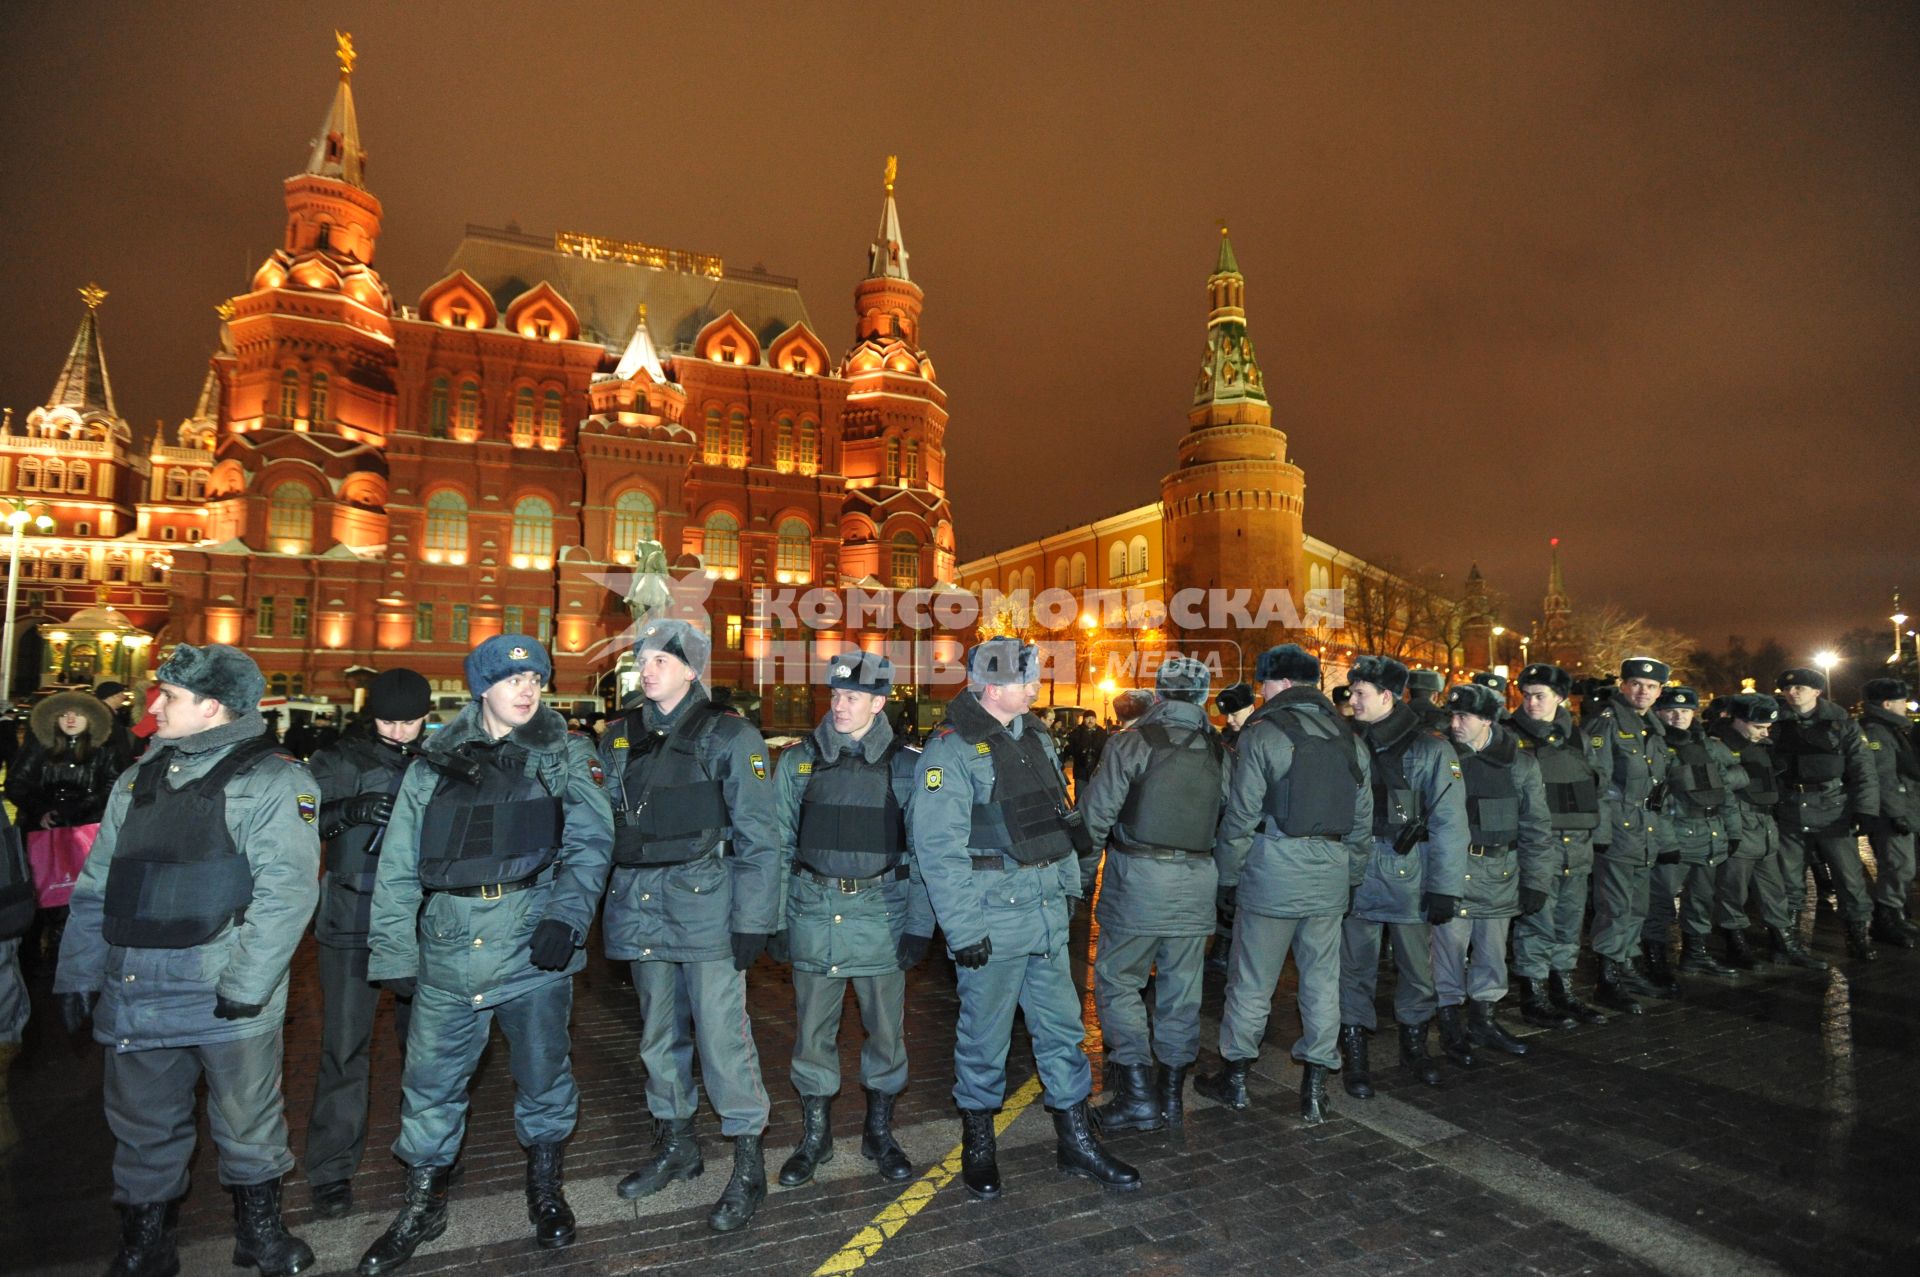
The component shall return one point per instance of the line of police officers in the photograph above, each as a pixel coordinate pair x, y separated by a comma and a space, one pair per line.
463, 874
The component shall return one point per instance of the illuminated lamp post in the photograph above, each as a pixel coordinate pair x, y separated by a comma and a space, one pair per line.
18, 517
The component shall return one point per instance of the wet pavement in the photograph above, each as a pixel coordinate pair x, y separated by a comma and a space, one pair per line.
1769, 1123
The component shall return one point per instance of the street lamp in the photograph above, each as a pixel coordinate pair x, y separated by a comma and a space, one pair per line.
1899, 619
17, 518
1826, 661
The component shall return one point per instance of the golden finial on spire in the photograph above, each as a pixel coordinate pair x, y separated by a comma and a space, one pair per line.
224, 310
93, 295
1223, 228
643, 312
343, 49
893, 171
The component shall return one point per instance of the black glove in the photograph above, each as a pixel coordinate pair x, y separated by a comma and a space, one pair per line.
974, 956
747, 945
780, 948
910, 949
367, 809
551, 948
1667, 858
225, 1008
75, 1009
1872, 826
1532, 900
402, 987
1438, 908
1901, 825
1226, 899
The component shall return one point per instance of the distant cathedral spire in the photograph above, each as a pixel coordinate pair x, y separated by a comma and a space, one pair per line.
888, 260
83, 383
1228, 371
337, 151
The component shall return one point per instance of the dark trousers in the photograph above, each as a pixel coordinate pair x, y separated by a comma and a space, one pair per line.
337, 1128
150, 1099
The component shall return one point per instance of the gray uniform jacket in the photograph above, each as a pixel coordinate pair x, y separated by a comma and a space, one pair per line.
685, 913
478, 948
1278, 876
1828, 807
165, 997
1684, 825
1387, 885
1631, 751
830, 932
1145, 895
1495, 879
1023, 909
1572, 848
1894, 761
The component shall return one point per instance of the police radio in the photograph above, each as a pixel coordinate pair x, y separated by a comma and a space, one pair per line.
1414, 832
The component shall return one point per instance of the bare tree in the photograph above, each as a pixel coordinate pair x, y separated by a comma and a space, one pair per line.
1607, 634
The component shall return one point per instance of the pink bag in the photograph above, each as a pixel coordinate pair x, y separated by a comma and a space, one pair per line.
56, 856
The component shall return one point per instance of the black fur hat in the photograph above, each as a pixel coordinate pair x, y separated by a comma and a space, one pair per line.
1289, 661
1233, 698
1552, 677
1385, 673
1471, 698
1885, 689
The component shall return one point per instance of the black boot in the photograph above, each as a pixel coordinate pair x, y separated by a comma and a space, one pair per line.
1078, 1151
1454, 1042
333, 1199
1315, 1108
1133, 1105
1355, 1073
1660, 974
1218, 956
1413, 1053
1560, 992
422, 1219
676, 1155
147, 1243
260, 1239
1739, 953
1611, 990
745, 1191
816, 1141
1536, 1009
877, 1144
1171, 1087
1484, 1029
1889, 928
547, 1208
979, 1164
1695, 957
1859, 947
1228, 1086
1784, 947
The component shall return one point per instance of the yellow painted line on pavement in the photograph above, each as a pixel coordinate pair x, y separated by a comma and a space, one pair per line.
893, 1217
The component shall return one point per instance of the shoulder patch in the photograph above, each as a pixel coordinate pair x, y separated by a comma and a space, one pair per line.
1872, 743
308, 808
759, 764
1599, 742
596, 771
933, 779
982, 748
620, 742
805, 769
1453, 765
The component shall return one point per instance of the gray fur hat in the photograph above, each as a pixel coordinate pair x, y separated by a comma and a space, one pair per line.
675, 637
859, 671
1183, 678
225, 674
1003, 660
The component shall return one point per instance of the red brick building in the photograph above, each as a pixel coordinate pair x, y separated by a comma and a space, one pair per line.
393, 483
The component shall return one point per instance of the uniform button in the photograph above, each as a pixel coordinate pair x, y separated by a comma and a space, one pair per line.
836, 918
174, 768
1469, 878
832, 970
646, 895
129, 977
477, 942
646, 953
477, 998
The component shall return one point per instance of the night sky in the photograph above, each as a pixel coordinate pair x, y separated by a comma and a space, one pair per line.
1639, 276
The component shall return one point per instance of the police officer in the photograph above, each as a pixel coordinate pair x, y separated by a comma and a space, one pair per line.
996, 845
1234, 704
1508, 865
1690, 843
1410, 878
1827, 785
856, 910
694, 900
1422, 687
1888, 733
1154, 806
1546, 943
494, 859
1630, 746
1492, 681
1301, 807
1753, 865
358, 778
184, 922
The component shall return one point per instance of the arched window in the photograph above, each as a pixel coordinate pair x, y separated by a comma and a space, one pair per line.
320, 398
893, 461
197, 486
290, 517
1117, 560
290, 394
1060, 573
1139, 554
793, 558
523, 417
439, 399
906, 561
176, 485
1077, 575
634, 520
446, 533
737, 439
783, 446
713, 442
550, 419
53, 477
809, 448
30, 474
722, 548
466, 421
79, 476
77, 565
532, 533
910, 462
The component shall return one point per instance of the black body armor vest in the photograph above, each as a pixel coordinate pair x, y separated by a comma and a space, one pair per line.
1573, 794
851, 824
673, 811
1322, 782
1175, 804
1026, 815
347, 855
1811, 751
1493, 802
1695, 776
507, 828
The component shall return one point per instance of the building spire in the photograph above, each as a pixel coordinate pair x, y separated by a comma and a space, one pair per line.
83, 382
640, 353
1556, 587
888, 259
337, 151
1228, 372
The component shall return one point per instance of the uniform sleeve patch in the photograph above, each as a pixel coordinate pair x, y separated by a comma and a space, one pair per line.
1873, 744
596, 771
620, 742
805, 769
933, 779
759, 764
308, 808
1599, 742
983, 748
1453, 766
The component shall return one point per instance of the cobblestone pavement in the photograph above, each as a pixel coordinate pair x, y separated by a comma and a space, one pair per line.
1763, 1124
